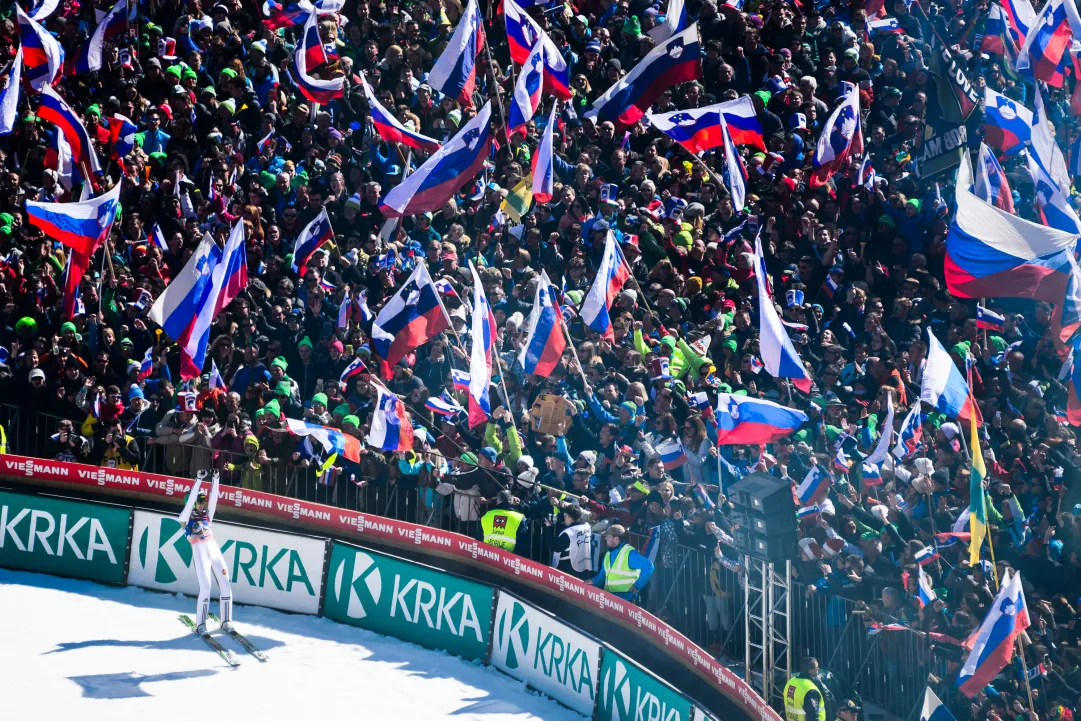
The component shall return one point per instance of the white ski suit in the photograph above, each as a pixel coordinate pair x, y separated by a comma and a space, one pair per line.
206, 556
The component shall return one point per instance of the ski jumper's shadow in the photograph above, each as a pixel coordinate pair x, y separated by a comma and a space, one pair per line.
129, 684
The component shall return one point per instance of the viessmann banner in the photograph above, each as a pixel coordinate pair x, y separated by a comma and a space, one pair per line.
384, 530
277, 570
62, 537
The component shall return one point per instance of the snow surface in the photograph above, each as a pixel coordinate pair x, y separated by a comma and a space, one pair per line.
78, 650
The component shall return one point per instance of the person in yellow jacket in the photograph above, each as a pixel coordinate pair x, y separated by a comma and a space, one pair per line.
803, 700
505, 526
682, 358
116, 449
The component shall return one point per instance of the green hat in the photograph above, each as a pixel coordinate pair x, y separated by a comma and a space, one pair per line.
351, 419
6, 219
267, 179
962, 349
68, 326
632, 27
94, 110
227, 72
683, 239
730, 343
997, 342
803, 436
469, 458
280, 362
342, 409
188, 73
869, 536
304, 342
251, 440
260, 412
27, 324
669, 341
915, 203
175, 70
630, 407
679, 387
320, 398
283, 388
159, 156
273, 408
764, 96
229, 104
887, 220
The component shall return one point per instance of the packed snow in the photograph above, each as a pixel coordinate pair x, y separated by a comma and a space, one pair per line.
75, 649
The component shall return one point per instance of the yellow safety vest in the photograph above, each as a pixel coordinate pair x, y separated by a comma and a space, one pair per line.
3, 441
501, 528
795, 691
619, 577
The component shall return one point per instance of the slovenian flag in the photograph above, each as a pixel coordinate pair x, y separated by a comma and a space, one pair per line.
314, 235
872, 474
391, 429
612, 273
355, 367
926, 555
146, 366
841, 138
989, 320
444, 406
455, 71
807, 513
672, 453
460, 379
992, 646
814, 486
926, 592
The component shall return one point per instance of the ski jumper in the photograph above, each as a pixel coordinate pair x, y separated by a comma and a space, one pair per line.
206, 556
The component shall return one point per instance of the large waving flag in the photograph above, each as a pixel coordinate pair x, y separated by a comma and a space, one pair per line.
751, 421
442, 175
994, 31
1055, 209
841, 138
944, 386
545, 340
232, 276
991, 185
543, 170
89, 56
276, 15
778, 354
54, 110
528, 94
314, 89
1047, 46
9, 99
910, 433
699, 129
991, 647
80, 226
388, 128
314, 235
523, 33
672, 62
43, 9
612, 273
482, 342
314, 53
674, 21
121, 135
1020, 16
992, 254
43, 57
411, 318
391, 429
737, 174
1007, 124
331, 439
185, 300
977, 505
933, 708
1045, 148
455, 71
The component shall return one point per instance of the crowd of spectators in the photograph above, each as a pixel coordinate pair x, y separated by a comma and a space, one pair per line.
856, 271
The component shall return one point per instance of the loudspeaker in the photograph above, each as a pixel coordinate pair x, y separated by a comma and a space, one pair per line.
766, 514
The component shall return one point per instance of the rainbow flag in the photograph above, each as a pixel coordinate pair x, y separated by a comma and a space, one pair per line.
977, 507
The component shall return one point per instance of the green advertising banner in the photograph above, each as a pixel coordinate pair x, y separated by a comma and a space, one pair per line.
65, 538
627, 693
406, 601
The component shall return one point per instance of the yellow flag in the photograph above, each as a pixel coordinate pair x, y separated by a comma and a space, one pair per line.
518, 200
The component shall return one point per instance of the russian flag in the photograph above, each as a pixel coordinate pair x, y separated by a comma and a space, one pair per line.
831, 286
81, 226
442, 175
74, 270
778, 353
184, 300
814, 486
333, 440
146, 366
121, 135
9, 96
994, 30
1020, 16
926, 555
523, 33
314, 235
355, 367
459, 379
157, 237
841, 464
388, 128
989, 320
455, 71
872, 474
841, 138
545, 340
1007, 125
993, 644
526, 99
944, 386
672, 62
216, 381
991, 253
411, 318
482, 330
926, 592
991, 184
43, 57
742, 122
543, 171
672, 453
910, 433
612, 273
314, 54
362, 306
88, 58
314, 89
54, 110
1047, 45
746, 420
444, 406
232, 274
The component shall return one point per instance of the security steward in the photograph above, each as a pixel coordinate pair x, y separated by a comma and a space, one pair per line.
849, 711
802, 698
505, 526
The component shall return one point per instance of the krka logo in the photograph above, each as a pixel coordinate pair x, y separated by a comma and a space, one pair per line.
540, 650
359, 577
616, 693
173, 553
512, 634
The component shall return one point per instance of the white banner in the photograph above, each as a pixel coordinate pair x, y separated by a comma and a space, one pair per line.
534, 647
266, 568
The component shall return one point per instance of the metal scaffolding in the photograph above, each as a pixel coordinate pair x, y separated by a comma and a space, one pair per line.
767, 615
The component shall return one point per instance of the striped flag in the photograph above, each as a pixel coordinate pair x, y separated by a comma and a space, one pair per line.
460, 379
977, 506
926, 592
157, 237
926, 555
866, 176
813, 487
362, 305
989, 320
672, 453
807, 513
444, 405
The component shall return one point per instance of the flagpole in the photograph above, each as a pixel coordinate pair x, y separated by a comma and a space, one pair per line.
495, 84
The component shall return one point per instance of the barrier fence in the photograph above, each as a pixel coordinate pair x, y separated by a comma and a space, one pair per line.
691, 590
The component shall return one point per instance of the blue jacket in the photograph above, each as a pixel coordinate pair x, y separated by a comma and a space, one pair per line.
637, 562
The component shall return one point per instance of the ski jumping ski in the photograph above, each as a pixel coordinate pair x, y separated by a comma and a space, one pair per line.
242, 640
225, 653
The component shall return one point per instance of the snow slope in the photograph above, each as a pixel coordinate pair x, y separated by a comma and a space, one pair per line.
96, 652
